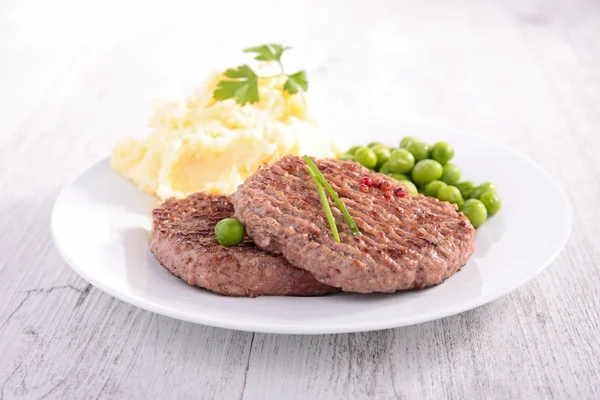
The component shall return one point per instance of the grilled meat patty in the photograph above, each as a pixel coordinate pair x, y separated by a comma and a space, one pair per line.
184, 242
406, 242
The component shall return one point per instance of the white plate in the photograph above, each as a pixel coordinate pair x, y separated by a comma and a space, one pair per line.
101, 223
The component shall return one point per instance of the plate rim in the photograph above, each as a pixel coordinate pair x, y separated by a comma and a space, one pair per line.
329, 328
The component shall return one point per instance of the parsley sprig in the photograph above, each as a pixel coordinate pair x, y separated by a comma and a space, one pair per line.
242, 85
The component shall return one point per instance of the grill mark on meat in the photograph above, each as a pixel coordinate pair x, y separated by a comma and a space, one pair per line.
414, 241
277, 198
425, 239
270, 184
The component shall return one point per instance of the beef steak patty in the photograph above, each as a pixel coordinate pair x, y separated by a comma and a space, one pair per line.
184, 242
406, 242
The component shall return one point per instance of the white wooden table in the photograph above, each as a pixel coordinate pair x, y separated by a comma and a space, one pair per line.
76, 76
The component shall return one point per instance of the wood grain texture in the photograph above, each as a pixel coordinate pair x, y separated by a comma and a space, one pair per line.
77, 76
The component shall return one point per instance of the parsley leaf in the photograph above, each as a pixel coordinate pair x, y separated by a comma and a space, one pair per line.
243, 88
296, 82
268, 52
242, 82
243, 71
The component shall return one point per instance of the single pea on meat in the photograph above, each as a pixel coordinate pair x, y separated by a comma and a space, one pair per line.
426, 171
230, 232
476, 212
418, 149
366, 157
383, 155
442, 152
450, 194
433, 187
451, 174
481, 189
491, 201
412, 189
346, 157
465, 188
352, 150
399, 177
401, 161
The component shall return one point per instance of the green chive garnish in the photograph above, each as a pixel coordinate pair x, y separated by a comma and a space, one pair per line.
333, 195
326, 208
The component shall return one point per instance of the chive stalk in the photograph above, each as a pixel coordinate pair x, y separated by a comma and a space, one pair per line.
333, 195
326, 208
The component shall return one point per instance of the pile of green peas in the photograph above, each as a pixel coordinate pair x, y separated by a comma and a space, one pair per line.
426, 169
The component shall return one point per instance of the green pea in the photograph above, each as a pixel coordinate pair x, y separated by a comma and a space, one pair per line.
375, 144
346, 157
491, 201
476, 212
399, 177
353, 149
380, 146
418, 149
481, 189
450, 194
465, 187
468, 193
442, 152
401, 160
383, 155
412, 189
366, 157
433, 187
488, 187
451, 174
407, 139
230, 232
426, 171
384, 169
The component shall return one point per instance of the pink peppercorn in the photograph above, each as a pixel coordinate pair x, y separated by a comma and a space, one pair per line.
366, 181
377, 182
363, 188
385, 186
400, 192
388, 194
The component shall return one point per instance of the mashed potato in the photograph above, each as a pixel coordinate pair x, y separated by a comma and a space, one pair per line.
213, 146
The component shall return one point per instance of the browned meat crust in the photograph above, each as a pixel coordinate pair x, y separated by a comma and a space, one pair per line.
183, 240
406, 243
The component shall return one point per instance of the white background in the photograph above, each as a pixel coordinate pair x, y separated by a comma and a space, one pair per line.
77, 76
